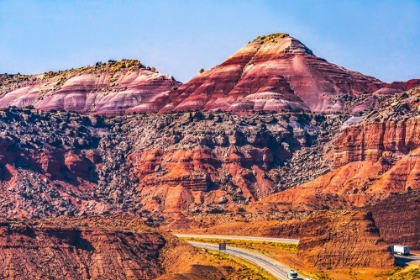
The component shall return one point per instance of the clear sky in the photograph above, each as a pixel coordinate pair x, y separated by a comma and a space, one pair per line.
178, 37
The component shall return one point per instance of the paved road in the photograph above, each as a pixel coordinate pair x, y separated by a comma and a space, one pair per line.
272, 266
247, 238
412, 258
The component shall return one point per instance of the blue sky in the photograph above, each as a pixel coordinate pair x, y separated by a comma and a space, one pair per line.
178, 37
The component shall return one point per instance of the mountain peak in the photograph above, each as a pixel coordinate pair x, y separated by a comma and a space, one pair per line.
108, 88
271, 37
288, 43
274, 72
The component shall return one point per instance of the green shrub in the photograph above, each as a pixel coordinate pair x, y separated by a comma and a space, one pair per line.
217, 211
325, 207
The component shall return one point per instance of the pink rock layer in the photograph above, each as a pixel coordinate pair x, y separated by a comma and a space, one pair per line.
278, 75
87, 91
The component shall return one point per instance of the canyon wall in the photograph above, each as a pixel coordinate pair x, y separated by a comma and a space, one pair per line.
335, 239
65, 163
398, 219
371, 159
340, 240
74, 253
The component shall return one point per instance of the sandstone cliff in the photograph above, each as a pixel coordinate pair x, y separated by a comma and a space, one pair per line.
371, 160
78, 253
335, 239
348, 239
398, 219
64, 163
103, 247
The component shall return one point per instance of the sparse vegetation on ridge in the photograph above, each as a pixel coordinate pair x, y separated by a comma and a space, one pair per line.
271, 37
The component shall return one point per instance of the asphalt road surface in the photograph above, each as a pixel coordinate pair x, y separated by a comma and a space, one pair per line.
246, 238
404, 260
272, 266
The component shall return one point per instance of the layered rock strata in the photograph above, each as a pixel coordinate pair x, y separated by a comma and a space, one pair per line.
107, 88
398, 219
73, 253
334, 239
373, 158
344, 240
272, 73
64, 163
101, 247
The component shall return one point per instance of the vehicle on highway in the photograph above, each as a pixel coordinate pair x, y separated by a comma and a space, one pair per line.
400, 249
292, 274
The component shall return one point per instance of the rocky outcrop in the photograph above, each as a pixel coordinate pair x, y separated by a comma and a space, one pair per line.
62, 163
195, 161
398, 219
397, 87
102, 247
340, 240
110, 88
389, 132
78, 253
372, 159
328, 239
272, 73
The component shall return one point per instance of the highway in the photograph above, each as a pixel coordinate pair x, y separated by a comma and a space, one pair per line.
403, 260
272, 266
246, 238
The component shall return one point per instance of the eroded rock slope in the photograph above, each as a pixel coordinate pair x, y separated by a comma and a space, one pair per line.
273, 73
101, 247
109, 88
62, 163
372, 159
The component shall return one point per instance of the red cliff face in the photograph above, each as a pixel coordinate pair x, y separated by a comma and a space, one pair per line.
109, 89
102, 247
272, 73
370, 160
339, 240
188, 180
73, 253
335, 239
398, 219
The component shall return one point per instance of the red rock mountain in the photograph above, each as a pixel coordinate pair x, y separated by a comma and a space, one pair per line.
273, 73
371, 160
181, 170
106, 88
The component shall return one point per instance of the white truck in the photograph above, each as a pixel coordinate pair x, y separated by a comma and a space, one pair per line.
400, 249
